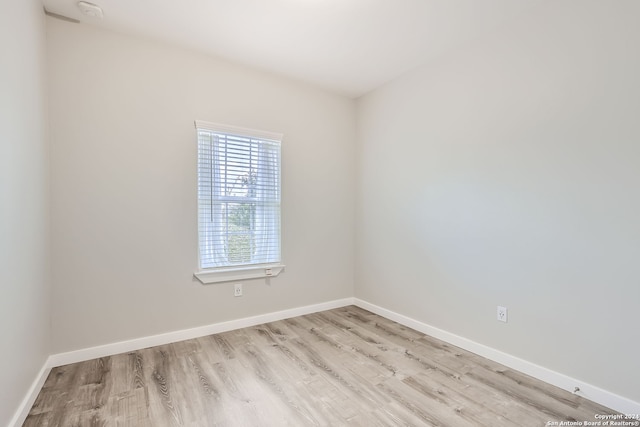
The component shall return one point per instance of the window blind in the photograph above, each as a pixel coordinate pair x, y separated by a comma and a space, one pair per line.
238, 196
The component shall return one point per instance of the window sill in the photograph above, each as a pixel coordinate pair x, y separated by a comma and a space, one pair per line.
233, 274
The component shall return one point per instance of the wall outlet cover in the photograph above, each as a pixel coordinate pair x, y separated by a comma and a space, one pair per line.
502, 314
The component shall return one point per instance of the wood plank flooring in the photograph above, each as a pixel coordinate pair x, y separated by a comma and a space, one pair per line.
343, 367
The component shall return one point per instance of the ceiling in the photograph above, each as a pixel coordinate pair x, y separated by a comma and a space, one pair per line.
347, 46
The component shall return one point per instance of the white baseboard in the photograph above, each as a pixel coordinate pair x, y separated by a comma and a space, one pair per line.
30, 398
596, 394
169, 337
588, 391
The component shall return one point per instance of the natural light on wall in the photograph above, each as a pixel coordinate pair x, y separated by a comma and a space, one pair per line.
238, 203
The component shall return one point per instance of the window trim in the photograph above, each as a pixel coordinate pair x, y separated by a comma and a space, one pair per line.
220, 275
237, 130
252, 271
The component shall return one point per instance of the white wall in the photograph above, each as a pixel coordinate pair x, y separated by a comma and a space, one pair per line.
123, 162
24, 200
508, 173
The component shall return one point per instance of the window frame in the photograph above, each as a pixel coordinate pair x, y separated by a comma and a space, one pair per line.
246, 271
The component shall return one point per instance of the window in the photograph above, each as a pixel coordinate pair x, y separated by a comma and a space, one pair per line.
238, 203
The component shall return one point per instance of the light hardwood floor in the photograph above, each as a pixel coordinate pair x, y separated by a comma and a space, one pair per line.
340, 367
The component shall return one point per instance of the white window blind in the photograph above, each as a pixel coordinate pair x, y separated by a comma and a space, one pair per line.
238, 196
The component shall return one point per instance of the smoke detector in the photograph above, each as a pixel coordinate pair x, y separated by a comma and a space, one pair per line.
90, 9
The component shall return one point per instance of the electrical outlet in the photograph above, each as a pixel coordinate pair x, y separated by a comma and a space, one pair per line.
502, 314
237, 290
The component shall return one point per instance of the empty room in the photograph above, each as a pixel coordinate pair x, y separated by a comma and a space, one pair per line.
320, 212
